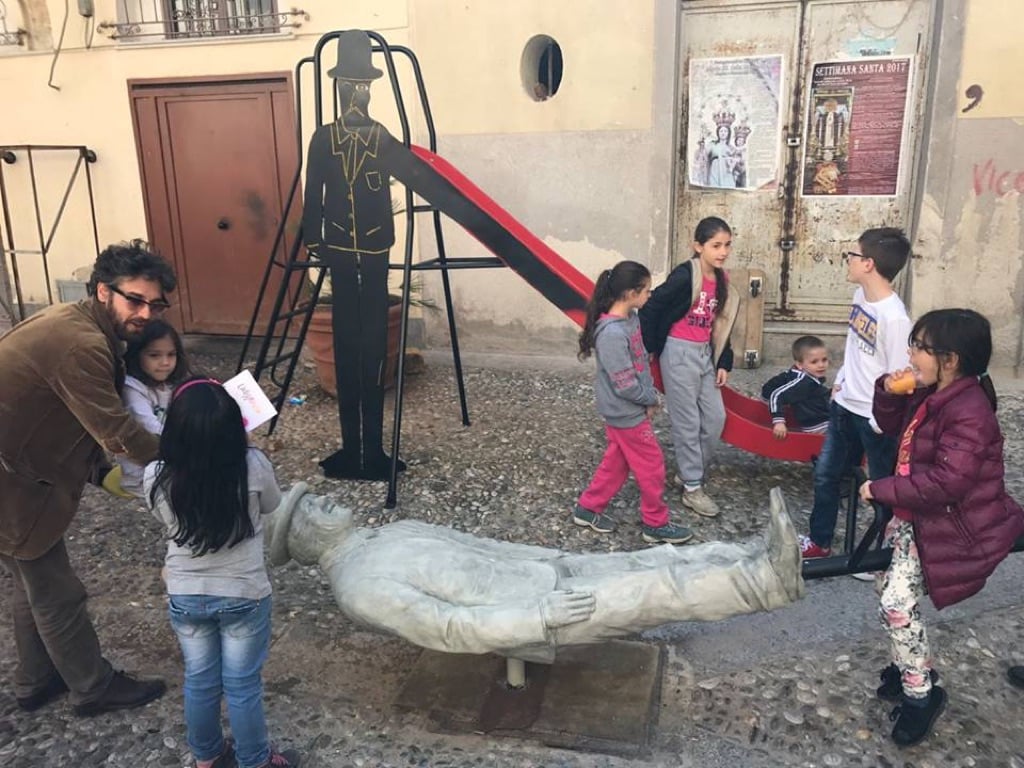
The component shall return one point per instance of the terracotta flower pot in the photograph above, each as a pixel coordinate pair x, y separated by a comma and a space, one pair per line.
320, 341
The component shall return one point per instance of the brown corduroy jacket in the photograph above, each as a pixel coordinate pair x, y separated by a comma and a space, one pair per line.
60, 378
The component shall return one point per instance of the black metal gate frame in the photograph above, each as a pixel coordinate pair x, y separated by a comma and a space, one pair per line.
8, 153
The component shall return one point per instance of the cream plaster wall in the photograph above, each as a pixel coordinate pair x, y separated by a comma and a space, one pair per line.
471, 53
92, 108
589, 170
970, 239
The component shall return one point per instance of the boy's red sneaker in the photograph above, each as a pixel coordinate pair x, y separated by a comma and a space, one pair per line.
808, 549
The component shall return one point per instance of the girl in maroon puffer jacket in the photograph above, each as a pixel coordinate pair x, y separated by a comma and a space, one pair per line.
953, 521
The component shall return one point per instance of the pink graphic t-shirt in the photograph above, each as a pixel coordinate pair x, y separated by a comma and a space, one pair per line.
695, 325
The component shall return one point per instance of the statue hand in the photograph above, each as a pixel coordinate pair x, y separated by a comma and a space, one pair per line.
566, 607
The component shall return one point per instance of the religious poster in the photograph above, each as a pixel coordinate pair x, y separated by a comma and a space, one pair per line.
856, 122
735, 118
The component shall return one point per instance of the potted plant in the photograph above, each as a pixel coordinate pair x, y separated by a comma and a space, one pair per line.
320, 335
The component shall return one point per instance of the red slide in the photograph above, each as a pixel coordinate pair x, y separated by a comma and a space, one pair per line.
748, 423
550, 267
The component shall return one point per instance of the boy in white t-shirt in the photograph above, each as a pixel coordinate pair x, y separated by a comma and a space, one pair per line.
876, 343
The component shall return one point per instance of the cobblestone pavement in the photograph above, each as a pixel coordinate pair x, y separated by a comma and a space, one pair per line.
791, 688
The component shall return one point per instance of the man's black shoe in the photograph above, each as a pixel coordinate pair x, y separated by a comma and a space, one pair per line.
1016, 676
892, 683
54, 687
914, 720
123, 693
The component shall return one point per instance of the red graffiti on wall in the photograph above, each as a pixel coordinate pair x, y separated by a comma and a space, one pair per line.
990, 178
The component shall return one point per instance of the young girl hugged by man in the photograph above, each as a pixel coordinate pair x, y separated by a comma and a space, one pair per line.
953, 521
686, 324
155, 363
626, 399
210, 489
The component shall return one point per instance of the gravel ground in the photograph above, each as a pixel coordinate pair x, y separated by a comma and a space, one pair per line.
514, 476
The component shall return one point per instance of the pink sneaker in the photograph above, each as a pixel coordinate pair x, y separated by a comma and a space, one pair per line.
808, 549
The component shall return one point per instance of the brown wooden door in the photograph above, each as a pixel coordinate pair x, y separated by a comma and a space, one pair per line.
218, 159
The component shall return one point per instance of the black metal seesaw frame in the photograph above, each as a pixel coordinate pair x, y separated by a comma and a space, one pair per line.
868, 554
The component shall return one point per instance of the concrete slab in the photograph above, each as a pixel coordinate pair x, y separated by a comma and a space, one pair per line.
601, 698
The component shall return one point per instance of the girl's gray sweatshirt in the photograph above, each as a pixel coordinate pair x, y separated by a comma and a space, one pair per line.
623, 386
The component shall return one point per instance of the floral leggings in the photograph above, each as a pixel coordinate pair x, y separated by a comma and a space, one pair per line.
901, 590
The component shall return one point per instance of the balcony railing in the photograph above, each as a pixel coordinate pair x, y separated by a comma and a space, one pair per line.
189, 19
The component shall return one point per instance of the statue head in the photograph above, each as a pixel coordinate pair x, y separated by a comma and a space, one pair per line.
305, 526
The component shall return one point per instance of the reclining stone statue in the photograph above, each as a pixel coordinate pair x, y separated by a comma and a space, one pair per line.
451, 591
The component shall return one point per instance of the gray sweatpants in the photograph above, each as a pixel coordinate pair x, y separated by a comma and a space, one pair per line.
694, 405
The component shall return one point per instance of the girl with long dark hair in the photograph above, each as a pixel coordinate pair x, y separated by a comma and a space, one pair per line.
687, 324
210, 489
626, 400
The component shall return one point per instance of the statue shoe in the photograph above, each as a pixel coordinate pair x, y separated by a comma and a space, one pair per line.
783, 545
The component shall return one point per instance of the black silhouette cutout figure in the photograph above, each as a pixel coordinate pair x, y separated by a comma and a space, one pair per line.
347, 223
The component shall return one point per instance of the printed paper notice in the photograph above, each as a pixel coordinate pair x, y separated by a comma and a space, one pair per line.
856, 122
256, 406
735, 114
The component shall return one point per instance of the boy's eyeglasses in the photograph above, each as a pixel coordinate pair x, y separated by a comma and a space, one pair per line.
847, 255
137, 302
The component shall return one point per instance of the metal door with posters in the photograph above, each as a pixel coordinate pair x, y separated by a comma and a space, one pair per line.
800, 126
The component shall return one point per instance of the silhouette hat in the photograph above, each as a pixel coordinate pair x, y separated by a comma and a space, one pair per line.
354, 58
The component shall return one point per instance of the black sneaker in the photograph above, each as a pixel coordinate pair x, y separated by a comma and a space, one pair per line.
54, 687
227, 758
892, 683
914, 720
587, 519
123, 693
288, 758
669, 533
1016, 676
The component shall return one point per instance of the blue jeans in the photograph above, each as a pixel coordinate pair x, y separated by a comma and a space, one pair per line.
848, 439
224, 642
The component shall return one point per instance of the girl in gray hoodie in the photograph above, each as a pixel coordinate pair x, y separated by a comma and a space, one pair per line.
626, 400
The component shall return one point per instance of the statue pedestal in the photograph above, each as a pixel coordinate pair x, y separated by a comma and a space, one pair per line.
599, 698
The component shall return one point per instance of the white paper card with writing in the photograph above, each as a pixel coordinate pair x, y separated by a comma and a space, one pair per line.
256, 406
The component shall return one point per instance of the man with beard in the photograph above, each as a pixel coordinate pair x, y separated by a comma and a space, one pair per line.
60, 376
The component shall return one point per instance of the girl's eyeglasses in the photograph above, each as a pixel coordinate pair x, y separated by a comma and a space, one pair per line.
137, 302
921, 346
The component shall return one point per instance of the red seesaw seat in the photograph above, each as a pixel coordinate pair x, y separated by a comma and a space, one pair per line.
748, 426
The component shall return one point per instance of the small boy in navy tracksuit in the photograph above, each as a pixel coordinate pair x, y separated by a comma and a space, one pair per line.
802, 388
